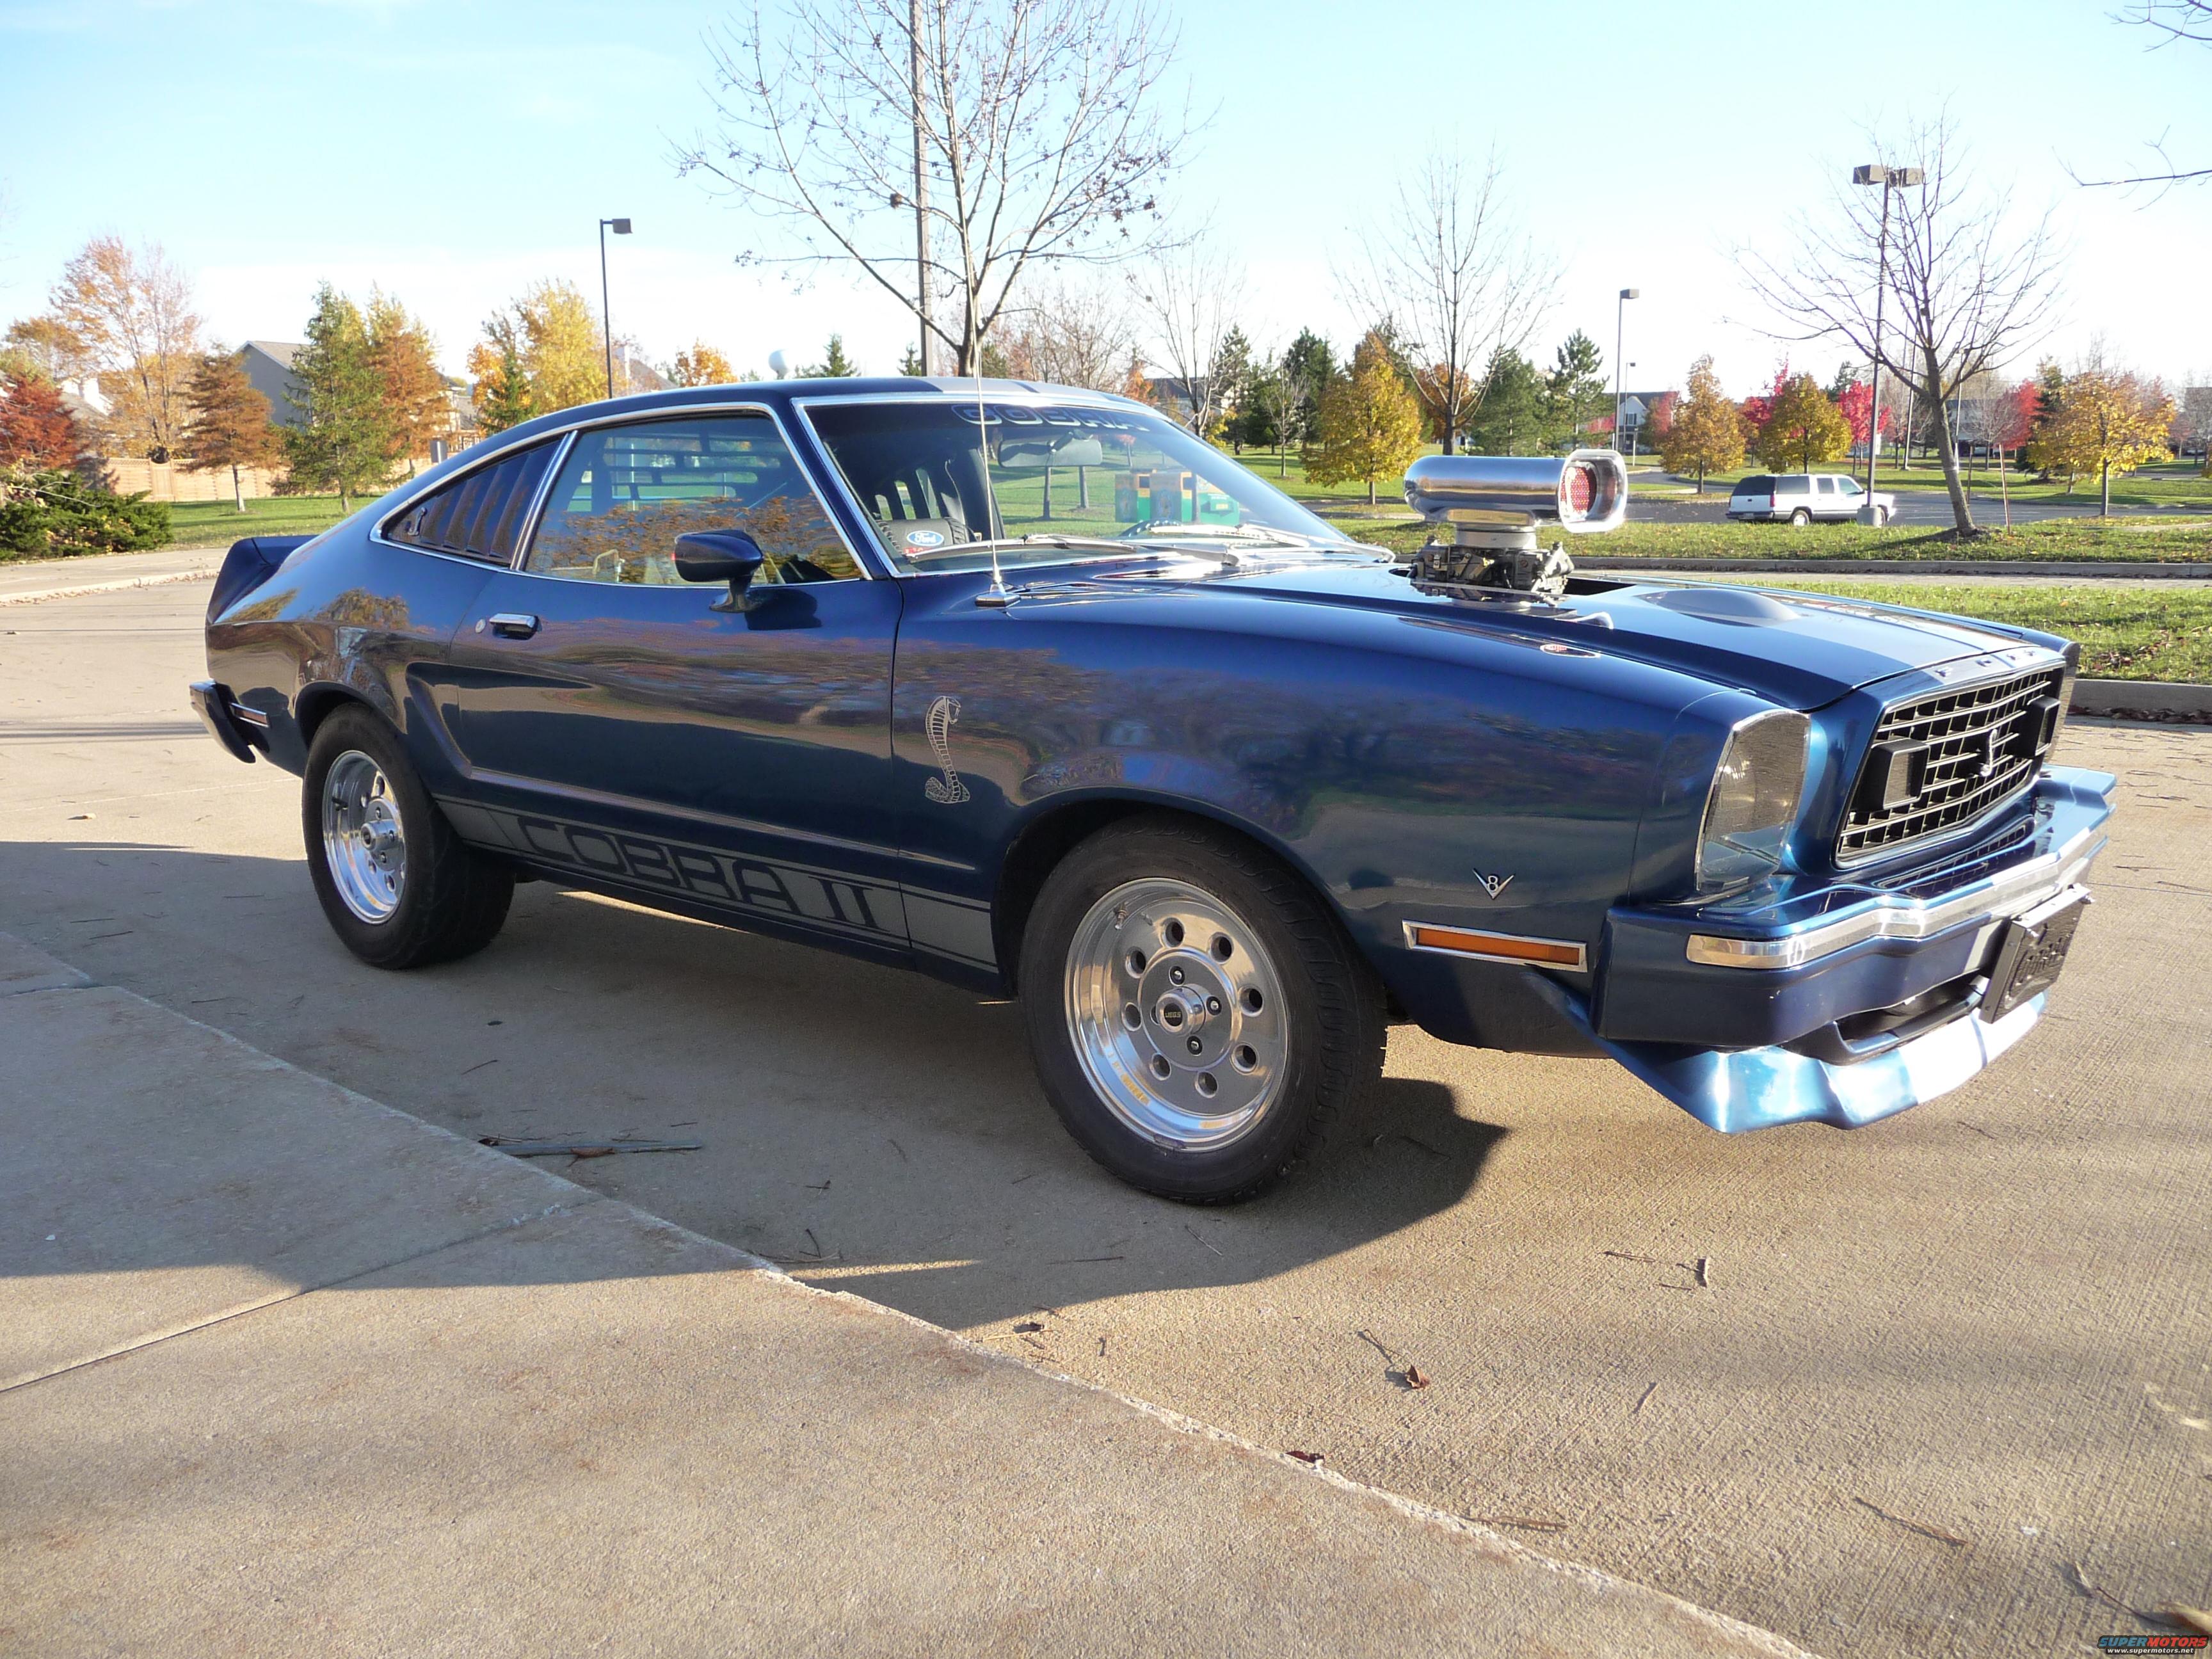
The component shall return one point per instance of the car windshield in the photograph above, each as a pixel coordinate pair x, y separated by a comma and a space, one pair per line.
951, 484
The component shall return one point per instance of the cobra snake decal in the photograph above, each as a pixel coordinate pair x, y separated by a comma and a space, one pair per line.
947, 791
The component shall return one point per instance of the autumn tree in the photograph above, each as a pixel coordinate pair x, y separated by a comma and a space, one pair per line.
700, 365
417, 408
126, 315
36, 429
1706, 435
1964, 286
1855, 402
2106, 421
43, 347
976, 142
1803, 427
343, 441
228, 422
1370, 426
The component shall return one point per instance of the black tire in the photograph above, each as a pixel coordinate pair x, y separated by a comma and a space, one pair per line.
1330, 1043
452, 900
1800, 518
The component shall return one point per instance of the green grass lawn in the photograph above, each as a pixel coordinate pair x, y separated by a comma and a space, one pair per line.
218, 524
2127, 631
2156, 540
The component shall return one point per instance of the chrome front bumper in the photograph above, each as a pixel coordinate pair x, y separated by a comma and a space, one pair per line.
1728, 1010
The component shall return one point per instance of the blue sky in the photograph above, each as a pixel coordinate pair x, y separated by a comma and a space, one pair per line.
455, 151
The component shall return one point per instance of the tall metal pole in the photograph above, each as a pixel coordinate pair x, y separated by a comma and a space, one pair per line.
607, 315
1882, 285
920, 186
1619, 326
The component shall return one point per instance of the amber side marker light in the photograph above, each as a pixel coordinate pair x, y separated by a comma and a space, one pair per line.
1497, 947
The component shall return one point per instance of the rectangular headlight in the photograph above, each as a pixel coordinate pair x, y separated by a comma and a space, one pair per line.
1753, 799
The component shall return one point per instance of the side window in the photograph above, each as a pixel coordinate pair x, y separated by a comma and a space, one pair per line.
1827, 485
626, 493
480, 515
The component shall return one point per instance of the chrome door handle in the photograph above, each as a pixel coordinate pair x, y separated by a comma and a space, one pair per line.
513, 624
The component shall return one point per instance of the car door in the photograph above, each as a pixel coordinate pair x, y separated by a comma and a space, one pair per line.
621, 722
1826, 502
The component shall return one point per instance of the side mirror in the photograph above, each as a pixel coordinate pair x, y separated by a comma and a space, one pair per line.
721, 556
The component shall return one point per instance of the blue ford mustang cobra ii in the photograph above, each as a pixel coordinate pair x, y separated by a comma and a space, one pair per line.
1027, 688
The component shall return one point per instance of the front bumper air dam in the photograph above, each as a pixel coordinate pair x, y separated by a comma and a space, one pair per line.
1758, 1088
1819, 974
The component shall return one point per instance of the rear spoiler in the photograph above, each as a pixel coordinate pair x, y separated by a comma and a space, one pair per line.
250, 562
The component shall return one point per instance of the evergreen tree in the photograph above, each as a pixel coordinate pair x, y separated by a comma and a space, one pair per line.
835, 364
343, 441
1706, 432
1512, 418
1575, 392
1232, 374
1309, 359
1370, 422
910, 364
227, 421
503, 378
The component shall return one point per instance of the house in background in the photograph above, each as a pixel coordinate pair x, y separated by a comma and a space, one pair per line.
269, 370
1637, 410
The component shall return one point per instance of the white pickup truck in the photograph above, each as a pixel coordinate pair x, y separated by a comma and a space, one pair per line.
1801, 497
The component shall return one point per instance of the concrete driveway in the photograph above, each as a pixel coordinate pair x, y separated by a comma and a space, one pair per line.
1941, 1365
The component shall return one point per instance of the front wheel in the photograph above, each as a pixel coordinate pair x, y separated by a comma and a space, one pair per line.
1196, 1015
399, 888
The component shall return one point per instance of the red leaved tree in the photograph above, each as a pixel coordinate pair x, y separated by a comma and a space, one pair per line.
1857, 404
36, 429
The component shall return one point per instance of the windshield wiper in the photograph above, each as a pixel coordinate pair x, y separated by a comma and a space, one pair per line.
1234, 532
961, 550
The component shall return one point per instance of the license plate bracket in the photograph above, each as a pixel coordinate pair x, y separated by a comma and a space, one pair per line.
2031, 952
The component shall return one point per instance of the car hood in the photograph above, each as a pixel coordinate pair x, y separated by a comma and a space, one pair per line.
1799, 650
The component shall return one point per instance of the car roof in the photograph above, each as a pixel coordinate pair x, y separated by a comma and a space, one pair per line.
781, 394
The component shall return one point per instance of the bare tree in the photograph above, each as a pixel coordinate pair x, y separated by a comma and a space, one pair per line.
1031, 130
1073, 335
1454, 281
1963, 287
1190, 297
2174, 22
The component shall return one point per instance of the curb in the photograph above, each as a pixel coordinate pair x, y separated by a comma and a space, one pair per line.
2109, 569
118, 586
2178, 701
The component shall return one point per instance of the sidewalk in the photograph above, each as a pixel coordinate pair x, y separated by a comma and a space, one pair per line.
285, 1370
22, 582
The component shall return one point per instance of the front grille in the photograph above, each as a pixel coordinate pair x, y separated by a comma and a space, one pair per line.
1943, 760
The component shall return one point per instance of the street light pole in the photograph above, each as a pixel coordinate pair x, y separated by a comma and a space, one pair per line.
921, 186
621, 228
1619, 328
1889, 178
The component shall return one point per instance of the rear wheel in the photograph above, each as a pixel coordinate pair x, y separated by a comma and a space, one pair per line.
1196, 1015
399, 888
1800, 517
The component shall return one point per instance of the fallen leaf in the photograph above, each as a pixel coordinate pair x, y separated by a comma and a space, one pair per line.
1535, 1524
2196, 1618
1306, 1457
1026, 1326
1416, 1377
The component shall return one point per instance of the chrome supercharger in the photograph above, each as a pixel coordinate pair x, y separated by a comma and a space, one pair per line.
1484, 514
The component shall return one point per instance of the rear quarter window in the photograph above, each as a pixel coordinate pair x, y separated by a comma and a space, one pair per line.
1760, 485
481, 514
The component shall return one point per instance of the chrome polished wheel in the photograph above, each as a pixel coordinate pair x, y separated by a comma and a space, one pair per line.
1177, 1013
364, 843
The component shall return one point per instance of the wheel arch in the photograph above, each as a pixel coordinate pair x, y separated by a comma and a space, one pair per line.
1052, 834
319, 701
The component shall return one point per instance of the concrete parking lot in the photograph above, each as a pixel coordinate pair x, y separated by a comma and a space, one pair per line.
1945, 1371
